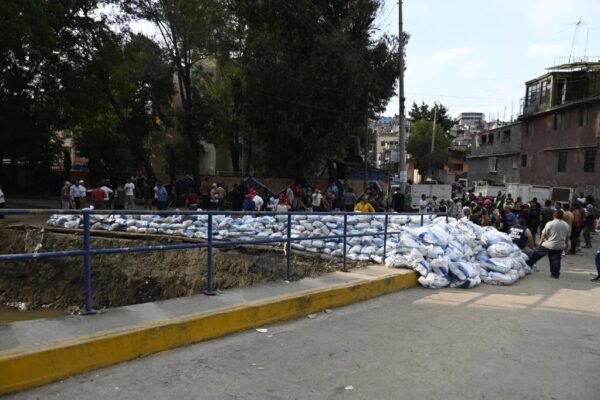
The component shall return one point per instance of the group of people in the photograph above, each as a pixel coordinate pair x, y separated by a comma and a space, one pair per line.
559, 225
104, 195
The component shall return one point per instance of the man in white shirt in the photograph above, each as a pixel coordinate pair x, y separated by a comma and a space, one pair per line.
107, 193
259, 202
423, 204
317, 200
129, 195
553, 242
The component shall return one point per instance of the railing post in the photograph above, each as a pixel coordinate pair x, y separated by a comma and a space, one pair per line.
446, 216
209, 272
288, 246
344, 269
385, 237
87, 265
422, 215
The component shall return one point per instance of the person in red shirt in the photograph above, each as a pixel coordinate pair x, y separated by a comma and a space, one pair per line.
98, 197
191, 200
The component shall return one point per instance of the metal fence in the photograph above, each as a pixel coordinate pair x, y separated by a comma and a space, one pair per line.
87, 251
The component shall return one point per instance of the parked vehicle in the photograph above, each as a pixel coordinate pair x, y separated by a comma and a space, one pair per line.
528, 192
441, 191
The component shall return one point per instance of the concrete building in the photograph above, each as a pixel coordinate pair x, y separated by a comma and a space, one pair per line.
496, 155
561, 128
474, 120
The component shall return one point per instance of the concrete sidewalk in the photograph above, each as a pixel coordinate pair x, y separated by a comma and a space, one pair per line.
36, 352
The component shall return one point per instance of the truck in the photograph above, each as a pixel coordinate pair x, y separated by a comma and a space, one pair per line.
441, 191
529, 192
488, 190
561, 194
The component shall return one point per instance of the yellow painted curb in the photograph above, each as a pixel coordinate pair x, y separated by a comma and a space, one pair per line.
24, 367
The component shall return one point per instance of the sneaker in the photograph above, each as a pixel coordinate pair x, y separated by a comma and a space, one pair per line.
555, 276
596, 279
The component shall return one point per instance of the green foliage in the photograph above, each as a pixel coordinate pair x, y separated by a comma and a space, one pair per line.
312, 73
418, 146
425, 113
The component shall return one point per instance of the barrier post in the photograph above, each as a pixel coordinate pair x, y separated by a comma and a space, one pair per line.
288, 248
344, 269
209, 272
422, 215
87, 265
385, 237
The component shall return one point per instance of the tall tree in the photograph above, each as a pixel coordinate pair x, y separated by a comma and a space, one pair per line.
37, 47
132, 79
190, 32
313, 74
419, 143
424, 112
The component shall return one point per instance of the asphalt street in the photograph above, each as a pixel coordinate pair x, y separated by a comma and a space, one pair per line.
537, 339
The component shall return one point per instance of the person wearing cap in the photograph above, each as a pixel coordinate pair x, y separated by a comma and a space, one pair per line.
65, 196
588, 225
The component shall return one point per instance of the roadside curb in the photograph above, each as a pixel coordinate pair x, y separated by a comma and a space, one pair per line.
28, 367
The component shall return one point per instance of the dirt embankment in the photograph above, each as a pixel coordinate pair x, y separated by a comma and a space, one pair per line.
123, 279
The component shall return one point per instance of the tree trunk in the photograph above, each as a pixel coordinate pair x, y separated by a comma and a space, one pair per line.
234, 150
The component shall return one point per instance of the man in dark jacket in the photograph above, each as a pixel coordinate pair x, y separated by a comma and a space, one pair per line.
398, 201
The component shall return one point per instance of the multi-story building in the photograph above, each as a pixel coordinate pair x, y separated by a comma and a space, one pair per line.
474, 120
561, 128
496, 155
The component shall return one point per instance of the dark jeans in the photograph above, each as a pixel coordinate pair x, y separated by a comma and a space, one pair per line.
554, 257
575, 232
161, 205
2, 206
587, 230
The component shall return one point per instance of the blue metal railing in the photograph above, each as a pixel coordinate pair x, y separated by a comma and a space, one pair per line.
87, 252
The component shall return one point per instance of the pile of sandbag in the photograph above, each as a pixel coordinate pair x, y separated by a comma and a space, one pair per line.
458, 254
445, 252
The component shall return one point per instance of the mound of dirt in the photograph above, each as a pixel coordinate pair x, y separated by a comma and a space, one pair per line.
123, 279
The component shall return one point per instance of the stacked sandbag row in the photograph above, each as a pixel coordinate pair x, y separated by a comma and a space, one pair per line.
445, 252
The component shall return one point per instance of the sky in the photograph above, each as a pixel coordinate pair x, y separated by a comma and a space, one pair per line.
476, 55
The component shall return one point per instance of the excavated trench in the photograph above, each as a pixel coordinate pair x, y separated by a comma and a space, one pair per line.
123, 279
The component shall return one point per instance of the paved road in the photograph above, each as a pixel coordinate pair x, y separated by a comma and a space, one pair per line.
538, 339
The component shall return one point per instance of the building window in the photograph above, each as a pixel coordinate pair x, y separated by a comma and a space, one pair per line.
529, 131
491, 138
590, 160
483, 139
524, 160
493, 164
584, 116
545, 91
561, 120
562, 161
457, 167
506, 136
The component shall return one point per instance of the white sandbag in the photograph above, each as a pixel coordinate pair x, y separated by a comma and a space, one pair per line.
432, 251
498, 278
418, 263
433, 281
397, 261
500, 249
369, 250
355, 249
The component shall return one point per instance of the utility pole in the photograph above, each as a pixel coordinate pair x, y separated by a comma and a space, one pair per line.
401, 123
434, 123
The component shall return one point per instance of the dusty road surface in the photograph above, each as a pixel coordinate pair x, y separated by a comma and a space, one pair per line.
538, 339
